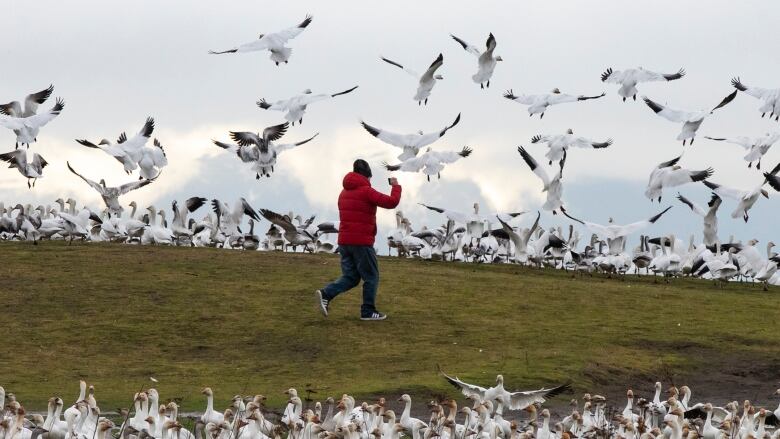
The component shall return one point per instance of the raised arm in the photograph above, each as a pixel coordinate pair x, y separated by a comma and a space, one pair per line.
386, 201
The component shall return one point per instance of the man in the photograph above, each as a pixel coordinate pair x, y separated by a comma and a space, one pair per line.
357, 214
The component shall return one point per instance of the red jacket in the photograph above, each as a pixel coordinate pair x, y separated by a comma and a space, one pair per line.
357, 209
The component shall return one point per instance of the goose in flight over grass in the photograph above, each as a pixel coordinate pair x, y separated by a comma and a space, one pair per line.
709, 216
552, 186
259, 150
295, 107
430, 162
617, 234
769, 96
670, 174
273, 42
756, 147
558, 144
127, 151
426, 81
629, 78
747, 198
294, 235
510, 400
153, 159
520, 238
474, 221
410, 143
27, 124
691, 120
538, 104
30, 168
111, 195
486, 60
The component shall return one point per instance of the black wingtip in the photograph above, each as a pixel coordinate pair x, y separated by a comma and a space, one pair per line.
736, 83
606, 74
656, 217
653, 106
371, 130
262, 103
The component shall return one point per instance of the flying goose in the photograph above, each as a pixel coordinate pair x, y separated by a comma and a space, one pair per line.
770, 97
259, 150
511, 400
153, 159
295, 235
709, 217
430, 162
127, 151
558, 144
31, 102
179, 222
474, 221
670, 174
552, 186
228, 219
111, 195
30, 169
614, 231
538, 104
691, 120
747, 198
520, 238
27, 124
756, 147
295, 107
629, 78
486, 61
273, 42
410, 143
426, 81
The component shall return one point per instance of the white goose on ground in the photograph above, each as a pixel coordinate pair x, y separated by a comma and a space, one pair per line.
629, 78
520, 238
30, 167
552, 186
110, 195
409, 143
295, 107
756, 147
709, 216
769, 96
179, 222
430, 163
26, 123
538, 104
273, 42
691, 120
669, 174
259, 150
558, 144
486, 60
426, 81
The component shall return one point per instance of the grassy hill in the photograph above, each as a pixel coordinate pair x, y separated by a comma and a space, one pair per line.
245, 322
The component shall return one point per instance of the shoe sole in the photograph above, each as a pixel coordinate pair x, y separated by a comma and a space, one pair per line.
371, 319
323, 310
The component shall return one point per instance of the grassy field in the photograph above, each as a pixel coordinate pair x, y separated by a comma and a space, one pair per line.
244, 322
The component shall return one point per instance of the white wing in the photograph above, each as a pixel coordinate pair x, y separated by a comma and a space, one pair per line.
668, 113
285, 35
743, 141
468, 47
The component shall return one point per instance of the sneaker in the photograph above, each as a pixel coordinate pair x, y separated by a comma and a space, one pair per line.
376, 315
323, 303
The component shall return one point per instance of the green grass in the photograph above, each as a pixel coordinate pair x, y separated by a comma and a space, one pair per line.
244, 322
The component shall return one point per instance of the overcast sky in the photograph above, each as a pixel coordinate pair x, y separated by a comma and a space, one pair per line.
115, 63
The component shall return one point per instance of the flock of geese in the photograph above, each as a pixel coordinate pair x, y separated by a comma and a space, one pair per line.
487, 415
463, 236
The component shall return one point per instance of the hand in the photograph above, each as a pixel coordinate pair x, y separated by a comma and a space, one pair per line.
393, 181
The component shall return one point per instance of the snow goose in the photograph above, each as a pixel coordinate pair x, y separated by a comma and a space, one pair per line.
769, 96
27, 123
179, 222
768, 268
520, 238
552, 186
295, 107
273, 42
709, 216
114, 150
669, 174
475, 222
128, 151
229, 219
691, 120
512, 400
558, 144
294, 235
259, 150
31, 169
430, 162
538, 104
409, 143
486, 61
110, 195
747, 198
153, 159
629, 78
158, 231
756, 147
426, 81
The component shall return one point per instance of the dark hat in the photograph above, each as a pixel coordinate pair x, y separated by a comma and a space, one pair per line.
361, 167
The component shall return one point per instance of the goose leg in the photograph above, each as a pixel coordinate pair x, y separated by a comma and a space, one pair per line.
481, 85
691, 142
488, 84
763, 114
300, 121
758, 166
634, 98
750, 165
426, 101
540, 117
429, 178
683, 142
624, 98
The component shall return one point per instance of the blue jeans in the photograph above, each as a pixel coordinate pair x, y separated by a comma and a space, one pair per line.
357, 262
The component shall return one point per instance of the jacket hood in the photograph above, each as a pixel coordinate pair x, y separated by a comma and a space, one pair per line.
353, 180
